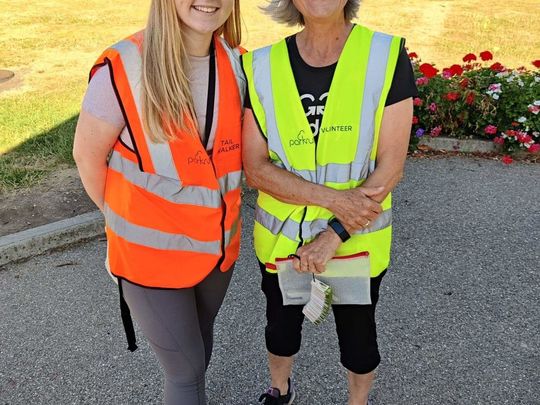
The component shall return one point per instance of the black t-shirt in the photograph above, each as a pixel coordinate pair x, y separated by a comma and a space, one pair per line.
313, 83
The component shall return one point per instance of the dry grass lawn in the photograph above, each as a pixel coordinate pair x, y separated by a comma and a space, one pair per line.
50, 45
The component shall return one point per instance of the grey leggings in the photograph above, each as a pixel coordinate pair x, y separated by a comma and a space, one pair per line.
179, 325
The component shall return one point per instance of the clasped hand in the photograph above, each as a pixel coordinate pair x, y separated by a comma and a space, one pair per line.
355, 208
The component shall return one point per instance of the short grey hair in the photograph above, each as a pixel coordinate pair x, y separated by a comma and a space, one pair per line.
285, 12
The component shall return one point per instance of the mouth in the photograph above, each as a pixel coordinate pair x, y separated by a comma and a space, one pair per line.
206, 9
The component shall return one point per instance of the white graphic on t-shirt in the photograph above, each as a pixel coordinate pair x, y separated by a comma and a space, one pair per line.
313, 109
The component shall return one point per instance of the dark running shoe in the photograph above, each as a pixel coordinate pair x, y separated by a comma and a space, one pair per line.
273, 396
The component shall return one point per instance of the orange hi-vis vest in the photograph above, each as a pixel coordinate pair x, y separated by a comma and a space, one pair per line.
172, 212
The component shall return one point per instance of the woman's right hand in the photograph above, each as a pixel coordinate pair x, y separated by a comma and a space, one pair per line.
354, 208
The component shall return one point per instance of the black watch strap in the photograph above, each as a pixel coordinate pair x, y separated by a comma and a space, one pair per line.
339, 229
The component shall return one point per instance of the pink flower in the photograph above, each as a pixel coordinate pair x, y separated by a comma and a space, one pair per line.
534, 148
499, 140
422, 81
506, 159
535, 109
414, 120
417, 102
447, 74
435, 132
432, 107
490, 130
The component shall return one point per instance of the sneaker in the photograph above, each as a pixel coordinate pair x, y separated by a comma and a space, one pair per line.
273, 396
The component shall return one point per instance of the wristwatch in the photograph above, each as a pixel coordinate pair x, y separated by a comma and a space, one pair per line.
339, 229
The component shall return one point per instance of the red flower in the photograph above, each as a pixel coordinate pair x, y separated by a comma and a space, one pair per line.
452, 96
499, 140
534, 148
413, 55
490, 130
469, 57
497, 67
511, 133
515, 124
428, 70
486, 55
524, 138
470, 98
464, 83
417, 102
456, 70
536, 63
507, 159
414, 120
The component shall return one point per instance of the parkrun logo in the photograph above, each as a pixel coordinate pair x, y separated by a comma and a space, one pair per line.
301, 140
199, 159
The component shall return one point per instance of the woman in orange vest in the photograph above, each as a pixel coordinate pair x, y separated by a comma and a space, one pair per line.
158, 150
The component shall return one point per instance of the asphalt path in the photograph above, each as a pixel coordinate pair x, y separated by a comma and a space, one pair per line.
458, 315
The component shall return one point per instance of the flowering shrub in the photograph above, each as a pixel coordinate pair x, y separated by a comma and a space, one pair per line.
480, 99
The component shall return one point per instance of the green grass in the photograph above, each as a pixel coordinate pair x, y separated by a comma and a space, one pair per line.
51, 46
41, 127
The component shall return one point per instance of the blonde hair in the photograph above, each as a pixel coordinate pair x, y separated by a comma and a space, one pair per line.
167, 105
285, 12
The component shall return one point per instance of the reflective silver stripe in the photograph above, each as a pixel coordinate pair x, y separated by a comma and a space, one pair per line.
383, 221
230, 181
262, 78
333, 172
152, 238
160, 153
234, 58
164, 187
289, 228
374, 83
230, 234
310, 229
341, 173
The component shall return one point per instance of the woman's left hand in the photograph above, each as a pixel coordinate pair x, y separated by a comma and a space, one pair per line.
315, 255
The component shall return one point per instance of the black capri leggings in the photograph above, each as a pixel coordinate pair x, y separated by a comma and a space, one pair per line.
179, 325
355, 326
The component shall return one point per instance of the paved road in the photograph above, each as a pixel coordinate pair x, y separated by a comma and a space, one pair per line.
458, 315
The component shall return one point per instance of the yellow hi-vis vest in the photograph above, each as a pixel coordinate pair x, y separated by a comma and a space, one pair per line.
345, 153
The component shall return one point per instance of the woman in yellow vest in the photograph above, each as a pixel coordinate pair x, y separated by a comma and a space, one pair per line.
325, 139
158, 150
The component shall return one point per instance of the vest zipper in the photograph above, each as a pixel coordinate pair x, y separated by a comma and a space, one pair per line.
300, 236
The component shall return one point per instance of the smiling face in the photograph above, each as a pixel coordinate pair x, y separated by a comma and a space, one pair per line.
320, 10
203, 17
